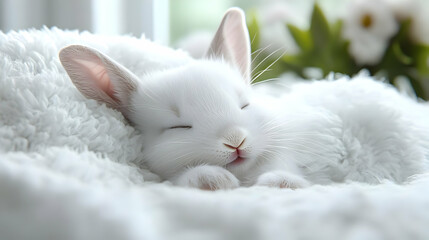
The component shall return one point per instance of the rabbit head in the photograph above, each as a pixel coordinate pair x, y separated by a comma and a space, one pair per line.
200, 113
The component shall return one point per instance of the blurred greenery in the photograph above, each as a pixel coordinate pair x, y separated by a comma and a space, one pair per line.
321, 46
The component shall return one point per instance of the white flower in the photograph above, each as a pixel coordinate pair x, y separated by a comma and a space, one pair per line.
368, 24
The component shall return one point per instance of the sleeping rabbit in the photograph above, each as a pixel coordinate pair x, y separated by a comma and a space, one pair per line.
205, 126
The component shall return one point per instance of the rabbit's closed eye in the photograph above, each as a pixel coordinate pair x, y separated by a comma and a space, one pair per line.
245, 105
180, 127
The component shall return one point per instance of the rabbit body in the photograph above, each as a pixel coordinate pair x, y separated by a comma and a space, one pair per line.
205, 126
354, 129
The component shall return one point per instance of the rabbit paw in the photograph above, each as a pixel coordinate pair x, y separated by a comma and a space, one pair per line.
281, 179
208, 178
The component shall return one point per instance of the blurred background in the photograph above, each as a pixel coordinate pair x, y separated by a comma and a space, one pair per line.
305, 39
174, 19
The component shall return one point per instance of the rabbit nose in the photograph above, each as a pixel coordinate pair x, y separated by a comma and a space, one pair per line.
235, 147
234, 138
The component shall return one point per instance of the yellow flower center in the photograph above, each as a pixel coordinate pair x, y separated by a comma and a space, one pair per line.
366, 21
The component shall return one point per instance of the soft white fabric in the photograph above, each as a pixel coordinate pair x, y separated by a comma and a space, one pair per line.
70, 169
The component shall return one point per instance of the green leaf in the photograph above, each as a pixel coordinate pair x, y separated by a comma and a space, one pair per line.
301, 37
253, 27
400, 55
319, 28
422, 59
336, 31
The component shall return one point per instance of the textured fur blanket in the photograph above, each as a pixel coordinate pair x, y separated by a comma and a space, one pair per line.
70, 169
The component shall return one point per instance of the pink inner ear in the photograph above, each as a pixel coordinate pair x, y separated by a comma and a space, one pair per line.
98, 74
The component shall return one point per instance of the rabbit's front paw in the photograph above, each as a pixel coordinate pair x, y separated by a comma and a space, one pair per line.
281, 179
208, 178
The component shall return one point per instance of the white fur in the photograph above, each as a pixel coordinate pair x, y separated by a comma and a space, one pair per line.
192, 114
68, 164
375, 132
368, 131
200, 112
332, 131
207, 178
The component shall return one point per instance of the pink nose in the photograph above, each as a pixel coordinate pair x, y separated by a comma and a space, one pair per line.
235, 147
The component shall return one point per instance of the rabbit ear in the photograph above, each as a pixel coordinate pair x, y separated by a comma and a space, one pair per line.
98, 77
231, 42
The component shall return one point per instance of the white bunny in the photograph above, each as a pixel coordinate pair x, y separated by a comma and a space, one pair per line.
204, 126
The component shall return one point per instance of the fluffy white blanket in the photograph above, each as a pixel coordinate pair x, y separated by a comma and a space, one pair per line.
70, 169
